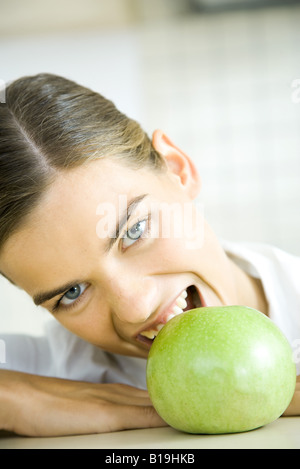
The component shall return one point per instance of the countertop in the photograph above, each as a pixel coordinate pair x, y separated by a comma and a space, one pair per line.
284, 433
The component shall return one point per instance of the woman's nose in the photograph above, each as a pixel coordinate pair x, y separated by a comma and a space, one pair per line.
133, 299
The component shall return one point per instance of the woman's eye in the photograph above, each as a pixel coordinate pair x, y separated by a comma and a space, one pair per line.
73, 294
134, 233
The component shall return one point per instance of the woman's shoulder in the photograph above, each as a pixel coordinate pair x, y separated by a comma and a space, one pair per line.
74, 358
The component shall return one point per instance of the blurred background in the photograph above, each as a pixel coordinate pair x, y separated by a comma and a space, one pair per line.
220, 77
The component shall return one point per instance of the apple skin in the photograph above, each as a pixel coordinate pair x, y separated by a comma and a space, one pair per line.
220, 370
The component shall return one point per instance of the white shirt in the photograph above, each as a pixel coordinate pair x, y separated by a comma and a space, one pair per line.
63, 355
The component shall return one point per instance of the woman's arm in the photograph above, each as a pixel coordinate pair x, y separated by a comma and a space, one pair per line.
38, 406
294, 407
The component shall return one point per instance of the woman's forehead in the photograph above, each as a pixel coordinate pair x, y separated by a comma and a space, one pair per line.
65, 226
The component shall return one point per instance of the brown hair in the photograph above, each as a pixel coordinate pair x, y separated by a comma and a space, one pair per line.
50, 124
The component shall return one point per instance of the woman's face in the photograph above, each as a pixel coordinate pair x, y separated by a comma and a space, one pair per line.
114, 253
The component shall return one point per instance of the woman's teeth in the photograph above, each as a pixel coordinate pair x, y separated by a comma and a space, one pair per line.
179, 305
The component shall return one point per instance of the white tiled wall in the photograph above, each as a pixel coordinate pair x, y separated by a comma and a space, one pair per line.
220, 86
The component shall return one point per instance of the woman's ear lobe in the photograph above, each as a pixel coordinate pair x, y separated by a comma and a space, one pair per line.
178, 163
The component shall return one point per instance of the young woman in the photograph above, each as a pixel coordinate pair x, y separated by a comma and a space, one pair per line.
99, 226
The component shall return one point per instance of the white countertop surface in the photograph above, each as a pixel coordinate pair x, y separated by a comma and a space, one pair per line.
281, 434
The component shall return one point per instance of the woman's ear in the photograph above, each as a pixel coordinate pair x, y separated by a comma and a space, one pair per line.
178, 163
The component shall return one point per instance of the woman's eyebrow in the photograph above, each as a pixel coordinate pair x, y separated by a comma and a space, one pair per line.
123, 220
42, 297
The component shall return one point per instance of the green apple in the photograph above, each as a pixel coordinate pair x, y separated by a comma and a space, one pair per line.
220, 370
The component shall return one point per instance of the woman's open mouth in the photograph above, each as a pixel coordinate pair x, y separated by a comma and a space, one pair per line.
187, 300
